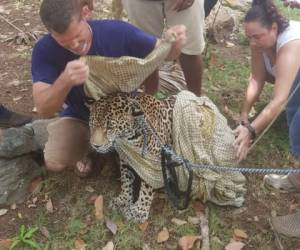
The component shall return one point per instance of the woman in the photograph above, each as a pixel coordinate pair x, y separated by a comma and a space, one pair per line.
275, 58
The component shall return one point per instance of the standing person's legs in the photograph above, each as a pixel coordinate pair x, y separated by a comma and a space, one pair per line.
190, 59
289, 225
293, 117
294, 134
67, 145
192, 67
145, 14
148, 16
291, 181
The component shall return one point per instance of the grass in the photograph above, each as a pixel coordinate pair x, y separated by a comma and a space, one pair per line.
291, 14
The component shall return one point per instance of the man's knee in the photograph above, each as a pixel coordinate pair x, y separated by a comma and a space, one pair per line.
68, 142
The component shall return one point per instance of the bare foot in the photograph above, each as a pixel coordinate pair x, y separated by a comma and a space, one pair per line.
83, 168
90, 165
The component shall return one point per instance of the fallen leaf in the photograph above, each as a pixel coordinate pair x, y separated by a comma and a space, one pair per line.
35, 185
240, 234
235, 246
198, 207
91, 199
13, 206
32, 206
111, 226
178, 221
255, 218
45, 232
187, 242
5, 243
108, 246
229, 44
144, 226
17, 98
293, 206
49, 206
3, 211
34, 200
194, 220
80, 244
20, 216
14, 83
89, 189
99, 207
163, 235
146, 247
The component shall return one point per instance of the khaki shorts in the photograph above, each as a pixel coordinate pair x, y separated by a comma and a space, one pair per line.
148, 16
68, 142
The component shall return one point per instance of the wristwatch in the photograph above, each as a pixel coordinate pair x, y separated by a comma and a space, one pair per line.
250, 129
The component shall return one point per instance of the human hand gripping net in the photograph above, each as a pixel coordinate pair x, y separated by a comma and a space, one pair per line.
124, 74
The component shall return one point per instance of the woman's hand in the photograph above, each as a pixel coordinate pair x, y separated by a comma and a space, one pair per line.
244, 118
242, 141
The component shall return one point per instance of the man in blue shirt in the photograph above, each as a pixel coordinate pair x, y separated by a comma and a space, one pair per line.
58, 75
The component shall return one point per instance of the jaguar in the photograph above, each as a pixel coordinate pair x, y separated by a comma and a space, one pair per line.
123, 116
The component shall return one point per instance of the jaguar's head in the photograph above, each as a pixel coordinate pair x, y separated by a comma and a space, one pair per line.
112, 117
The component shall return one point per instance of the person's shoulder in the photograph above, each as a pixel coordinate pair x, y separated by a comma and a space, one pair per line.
44, 41
291, 33
46, 44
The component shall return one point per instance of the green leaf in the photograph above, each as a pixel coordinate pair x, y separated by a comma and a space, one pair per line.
45, 247
30, 233
159, 95
14, 244
22, 231
32, 243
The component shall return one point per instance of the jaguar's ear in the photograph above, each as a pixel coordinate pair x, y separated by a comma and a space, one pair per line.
136, 110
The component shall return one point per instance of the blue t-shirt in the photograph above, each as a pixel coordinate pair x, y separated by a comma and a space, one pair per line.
110, 38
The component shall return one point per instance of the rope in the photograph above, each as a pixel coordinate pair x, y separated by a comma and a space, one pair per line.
147, 126
249, 170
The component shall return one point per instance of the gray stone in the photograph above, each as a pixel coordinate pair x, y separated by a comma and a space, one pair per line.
222, 23
15, 178
15, 142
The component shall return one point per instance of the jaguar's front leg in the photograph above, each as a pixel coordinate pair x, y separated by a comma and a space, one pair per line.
139, 211
125, 198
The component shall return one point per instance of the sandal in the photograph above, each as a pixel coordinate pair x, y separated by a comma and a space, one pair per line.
280, 182
288, 225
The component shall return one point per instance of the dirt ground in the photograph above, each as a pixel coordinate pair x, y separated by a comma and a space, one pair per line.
19, 22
